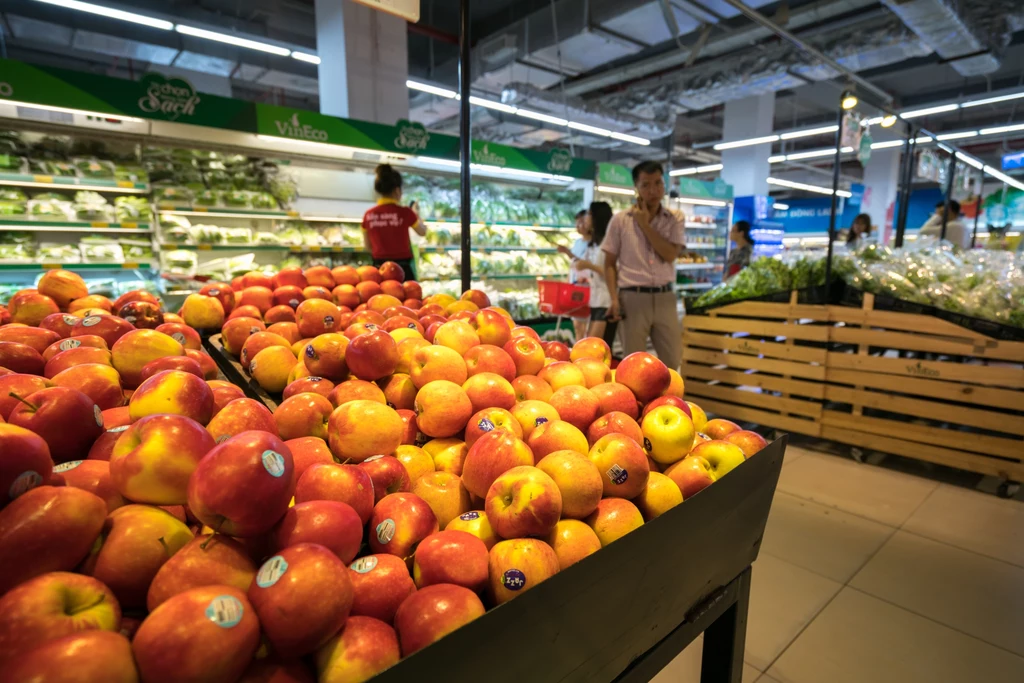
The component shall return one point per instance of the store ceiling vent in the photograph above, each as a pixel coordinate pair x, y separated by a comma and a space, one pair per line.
496, 52
24, 28
945, 26
120, 47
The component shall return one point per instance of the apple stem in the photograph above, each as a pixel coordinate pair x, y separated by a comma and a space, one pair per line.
164, 544
30, 406
87, 607
216, 530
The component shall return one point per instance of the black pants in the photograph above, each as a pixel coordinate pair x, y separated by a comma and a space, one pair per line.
407, 265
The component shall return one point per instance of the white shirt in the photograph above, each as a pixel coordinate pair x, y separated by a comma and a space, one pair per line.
599, 296
956, 231
578, 277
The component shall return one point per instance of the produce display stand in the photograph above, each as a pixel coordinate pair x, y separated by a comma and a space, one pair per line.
625, 612
898, 382
235, 374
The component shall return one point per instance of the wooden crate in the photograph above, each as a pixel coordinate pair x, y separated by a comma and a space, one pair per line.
902, 383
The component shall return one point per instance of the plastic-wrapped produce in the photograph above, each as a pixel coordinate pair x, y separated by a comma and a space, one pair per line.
132, 210
99, 249
50, 252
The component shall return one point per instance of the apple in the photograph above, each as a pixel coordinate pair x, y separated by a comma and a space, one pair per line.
137, 540
644, 375
308, 451
91, 301
52, 606
748, 442
412, 290
20, 358
659, 496
317, 316
223, 393
272, 670
288, 295
449, 455
488, 390
475, 522
260, 297
594, 372
206, 364
668, 434
181, 363
486, 358
203, 312
531, 414
380, 584
207, 560
572, 540
223, 292
313, 384
241, 415
364, 648
101, 383
719, 428
68, 420
561, 374
237, 331
432, 363
208, 633
272, 367
555, 350
692, 474
359, 429
67, 344
387, 474
291, 277
38, 337
576, 405
410, 430
613, 519
477, 297
491, 328
526, 353
442, 409
372, 356
722, 457
328, 523
303, 415
382, 302
622, 464
517, 565
92, 476
137, 348
83, 657
399, 391
325, 356
433, 612
29, 307
417, 462
256, 463
699, 417
667, 400
614, 422
531, 388
356, 390
524, 501
556, 435
345, 275
578, 480
398, 523
458, 335
26, 461
593, 348
319, 276
445, 493
154, 458
109, 328
302, 596
62, 286
346, 295
75, 356
490, 456
489, 420
142, 314
451, 557
173, 392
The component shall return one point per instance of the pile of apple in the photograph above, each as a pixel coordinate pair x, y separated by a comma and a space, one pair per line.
429, 459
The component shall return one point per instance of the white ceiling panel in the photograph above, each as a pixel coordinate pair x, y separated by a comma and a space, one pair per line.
24, 28
515, 72
647, 24
205, 63
280, 79
120, 47
585, 51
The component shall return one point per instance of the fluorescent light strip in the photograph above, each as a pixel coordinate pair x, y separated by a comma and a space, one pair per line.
490, 104
432, 89
615, 190
927, 111
1002, 129
94, 188
1002, 176
625, 137
970, 161
957, 136
304, 57
682, 171
232, 40
440, 162
538, 116
111, 13
700, 202
813, 154
887, 144
746, 143
327, 147
589, 129
809, 188
65, 110
777, 159
993, 100
780, 207
809, 132
711, 168
498, 170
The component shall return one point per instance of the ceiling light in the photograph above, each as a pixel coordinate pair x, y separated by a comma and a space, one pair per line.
440, 162
304, 57
432, 89
746, 143
498, 170
887, 144
813, 154
700, 202
1002, 176
849, 101
625, 137
538, 116
232, 40
1001, 129
993, 100
111, 13
614, 190
589, 129
777, 159
792, 135
888, 121
928, 111
710, 168
491, 104
683, 171
65, 110
957, 136
809, 188
780, 207
969, 160
329, 147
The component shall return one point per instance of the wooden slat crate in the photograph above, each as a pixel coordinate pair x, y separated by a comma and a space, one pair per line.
901, 383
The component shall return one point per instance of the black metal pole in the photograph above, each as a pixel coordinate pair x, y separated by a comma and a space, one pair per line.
836, 168
950, 174
465, 146
906, 185
977, 214
901, 184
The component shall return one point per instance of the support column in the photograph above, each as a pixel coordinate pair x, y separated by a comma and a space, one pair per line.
881, 184
746, 168
364, 62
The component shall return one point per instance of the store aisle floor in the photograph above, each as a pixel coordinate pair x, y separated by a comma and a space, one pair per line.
868, 575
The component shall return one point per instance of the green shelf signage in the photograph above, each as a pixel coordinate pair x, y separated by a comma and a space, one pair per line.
717, 189
614, 174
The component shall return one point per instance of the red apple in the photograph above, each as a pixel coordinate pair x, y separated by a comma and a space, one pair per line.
380, 584
207, 560
173, 392
490, 456
616, 397
614, 422
667, 400
328, 523
147, 315
52, 329
342, 483
86, 657
360, 429
25, 464
451, 557
223, 393
719, 428
429, 614
622, 464
223, 292
92, 476
108, 327
20, 358
62, 286
517, 565
66, 344
68, 420
137, 348
152, 460
180, 363
313, 384
526, 353
387, 474
644, 375
303, 415
364, 648
308, 451
523, 501
241, 415
578, 480
398, 523
489, 420
372, 356
613, 519
748, 442
691, 475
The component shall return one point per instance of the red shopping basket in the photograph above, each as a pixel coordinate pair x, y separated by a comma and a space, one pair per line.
561, 298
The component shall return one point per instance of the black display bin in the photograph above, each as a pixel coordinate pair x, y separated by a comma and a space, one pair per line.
625, 612
234, 373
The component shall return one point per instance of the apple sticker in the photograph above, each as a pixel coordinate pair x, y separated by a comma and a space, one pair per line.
90, 321
273, 462
364, 564
225, 611
98, 414
386, 530
67, 466
513, 579
178, 337
69, 344
23, 482
469, 516
617, 474
272, 570
69, 319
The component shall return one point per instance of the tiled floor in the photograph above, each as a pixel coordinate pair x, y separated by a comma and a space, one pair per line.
868, 575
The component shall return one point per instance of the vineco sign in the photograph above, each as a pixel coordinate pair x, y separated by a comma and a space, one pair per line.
293, 128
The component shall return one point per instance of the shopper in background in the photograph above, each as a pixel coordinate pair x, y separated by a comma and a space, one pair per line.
576, 276
641, 249
956, 230
386, 226
859, 232
739, 258
593, 261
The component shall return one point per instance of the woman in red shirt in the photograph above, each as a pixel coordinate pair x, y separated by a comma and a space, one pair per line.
386, 226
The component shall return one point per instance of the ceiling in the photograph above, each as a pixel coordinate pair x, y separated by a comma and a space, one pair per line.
661, 69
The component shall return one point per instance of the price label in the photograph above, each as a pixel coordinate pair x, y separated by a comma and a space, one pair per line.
42, 178
125, 183
99, 224
205, 247
131, 226
51, 266
129, 266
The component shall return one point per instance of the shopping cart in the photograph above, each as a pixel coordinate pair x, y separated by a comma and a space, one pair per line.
563, 299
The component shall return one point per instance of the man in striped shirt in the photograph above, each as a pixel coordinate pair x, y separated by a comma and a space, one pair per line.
641, 247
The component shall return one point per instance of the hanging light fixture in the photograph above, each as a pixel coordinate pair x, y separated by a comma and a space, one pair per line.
889, 120
849, 101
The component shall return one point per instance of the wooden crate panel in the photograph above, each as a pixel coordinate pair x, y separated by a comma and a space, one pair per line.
936, 436
943, 456
990, 375
936, 389
951, 346
755, 327
785, 423
745, 362
758, 400
756, 347
753, 379
907, 322
762, 309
